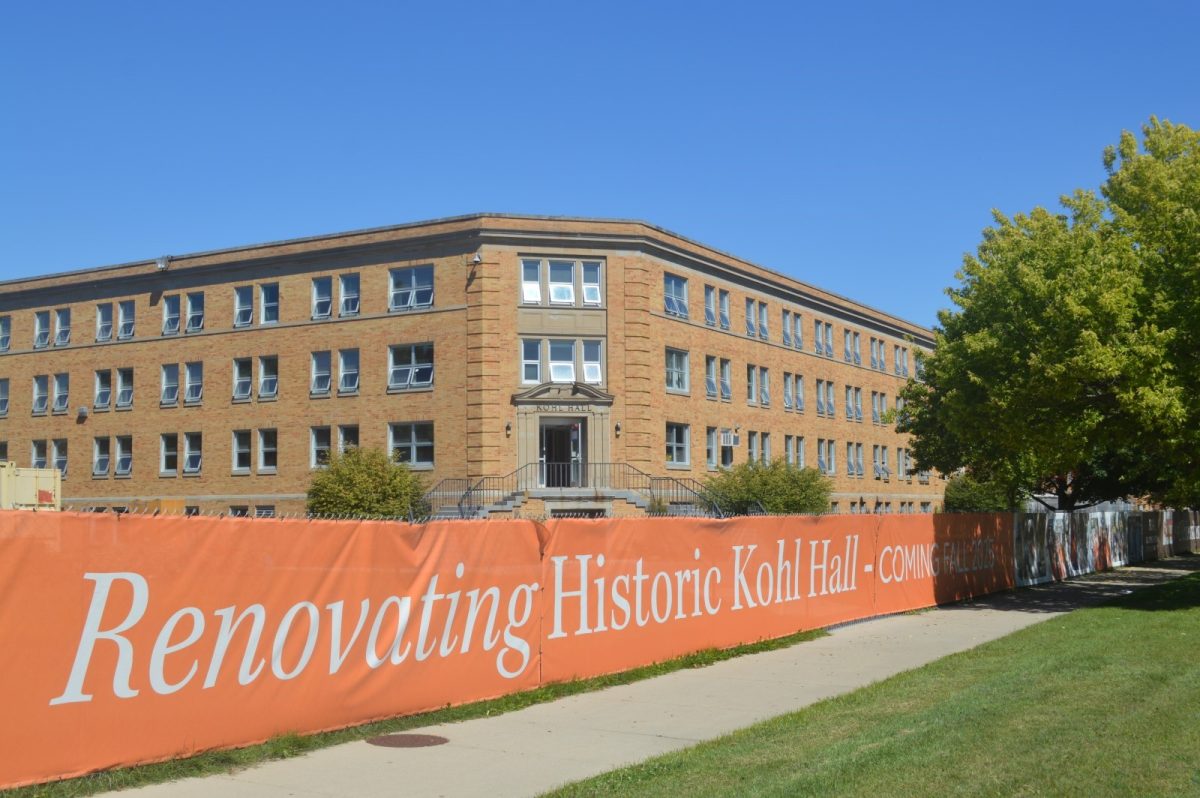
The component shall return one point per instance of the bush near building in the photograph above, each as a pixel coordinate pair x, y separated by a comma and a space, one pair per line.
366, 483
776, 487
967, 494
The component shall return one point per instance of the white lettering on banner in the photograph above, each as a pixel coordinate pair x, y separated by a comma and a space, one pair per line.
922, 561
589, 595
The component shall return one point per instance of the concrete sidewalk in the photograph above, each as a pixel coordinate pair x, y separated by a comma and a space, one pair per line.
527, 752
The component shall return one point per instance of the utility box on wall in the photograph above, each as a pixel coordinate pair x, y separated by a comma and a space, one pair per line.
29, 488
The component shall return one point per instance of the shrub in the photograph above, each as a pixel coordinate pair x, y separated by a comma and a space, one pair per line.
365, 483
967, 494
778, 487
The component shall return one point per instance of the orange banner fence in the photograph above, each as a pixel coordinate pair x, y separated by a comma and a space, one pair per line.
131, 639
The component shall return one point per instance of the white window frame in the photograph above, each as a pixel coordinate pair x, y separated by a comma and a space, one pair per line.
593, 293
786, 323
723, 308
764, 386
593, 361
342, 444
534, 363
561, 370
314, 449
751, 318
268, 450
39, 453
322, 302
126, 319
268, 377
710, 305
407, 290
171, 314
243, 379
406, 435
195, 311
268, 303
675, 295
560, 293
101, 461
726, 380
124, 456
41, 394
173, 437
193, 452
349, 297
58, 455
348, 377
679, 442
531, 290
237, 438
124, 384
764, 318
193, 378
243, 305
4, 396
62, 326
5, 333
710, 377
41, 329
406, 370
317, 375
712, 448
677, 368
62, 392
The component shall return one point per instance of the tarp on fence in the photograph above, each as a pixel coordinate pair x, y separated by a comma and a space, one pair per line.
131, 639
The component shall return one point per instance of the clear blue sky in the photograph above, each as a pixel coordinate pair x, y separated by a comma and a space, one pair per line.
860, 147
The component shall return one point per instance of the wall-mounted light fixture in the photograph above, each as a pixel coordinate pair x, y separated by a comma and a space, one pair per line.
618, 429
508, 429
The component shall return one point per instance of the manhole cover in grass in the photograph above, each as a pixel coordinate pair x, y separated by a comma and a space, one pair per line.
407, 740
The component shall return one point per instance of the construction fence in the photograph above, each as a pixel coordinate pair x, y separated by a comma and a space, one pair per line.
133, 638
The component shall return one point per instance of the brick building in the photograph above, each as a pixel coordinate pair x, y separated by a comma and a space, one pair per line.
536, 362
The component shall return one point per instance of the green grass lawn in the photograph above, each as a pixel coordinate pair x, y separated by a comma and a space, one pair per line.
294, 745
1101, 702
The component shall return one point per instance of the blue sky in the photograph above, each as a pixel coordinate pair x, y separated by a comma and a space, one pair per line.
859, 147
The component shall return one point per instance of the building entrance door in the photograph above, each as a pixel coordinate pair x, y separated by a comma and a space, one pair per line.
561, 458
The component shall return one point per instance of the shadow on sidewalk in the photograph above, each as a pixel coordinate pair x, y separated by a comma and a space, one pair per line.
1093, 589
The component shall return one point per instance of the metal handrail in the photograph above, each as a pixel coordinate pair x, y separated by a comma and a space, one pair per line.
447, 493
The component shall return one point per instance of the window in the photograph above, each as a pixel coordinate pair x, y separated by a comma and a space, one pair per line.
766, 448
818, 337
822, 464
850, 459
858, 459
531, 281
562, 361
349, 294
412, 443
875, 407
787, 450
194, 379
62, 326
591, 283
242, 379
37, 454
820, 397
858, 404
168, 453
170, 384
124, 455
926, 507
268, 377
124, 388
797, 331
562, 282
764, 386
58, 455
3, 396
193, 450
322, 297
849, 403
62, 387
831, 457
728, 441
752, 449
170, 325
531, 361
3, 450
786, 325
763, 332
243, 306
751, 326
751, 383
411, 367
830, 404
347, 371
268, 303
239, 511
710, 306
726, 380
264, 511
787, 391
857, 350
347, 437
847, 349
876, 470
828, 339
318, 447
678, 444
711, 449
799, 393
41, 329
101, 456
799, 444
268, 451
675, 301
592, 371
195, 311
900, 360
41, 394
6, 331
125, 319
723, 306
677, 371
710, 377
319, 384
412, 288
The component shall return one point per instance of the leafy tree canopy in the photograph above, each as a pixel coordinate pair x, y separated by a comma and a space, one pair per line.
1059, 372
777, 487
966, 494
366, 483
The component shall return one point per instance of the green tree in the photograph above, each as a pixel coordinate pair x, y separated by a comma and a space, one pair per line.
966, 494
777, 487
1154, 198
1047, 375
366, 483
